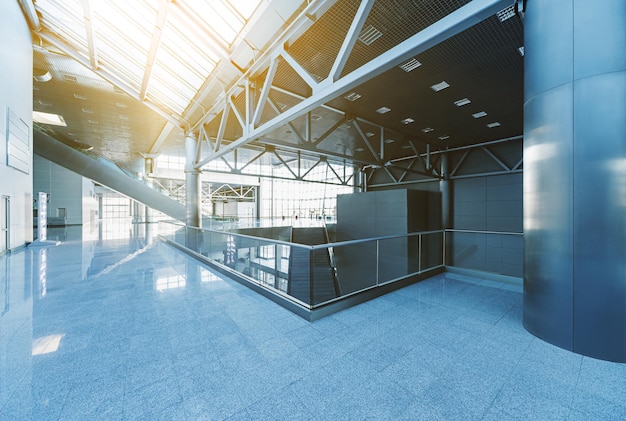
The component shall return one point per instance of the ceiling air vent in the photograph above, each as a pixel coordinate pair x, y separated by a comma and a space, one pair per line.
494, 124
70, 78
407, 120
462, 102
410, 65
316, 117
440, 86
383, 110
81, 97
479, 114
352, 96
446, 137
427, 129
506, 13
369, 35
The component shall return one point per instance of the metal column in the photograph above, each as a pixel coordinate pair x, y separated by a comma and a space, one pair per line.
575, 175
192, 184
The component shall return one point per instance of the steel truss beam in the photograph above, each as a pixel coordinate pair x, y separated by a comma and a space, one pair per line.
452, 24
486, 148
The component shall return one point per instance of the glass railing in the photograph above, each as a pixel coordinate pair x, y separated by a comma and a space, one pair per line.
305, 274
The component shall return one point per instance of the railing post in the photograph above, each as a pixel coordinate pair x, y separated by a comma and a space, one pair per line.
419, 253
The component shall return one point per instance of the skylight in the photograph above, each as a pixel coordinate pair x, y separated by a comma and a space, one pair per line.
162, 52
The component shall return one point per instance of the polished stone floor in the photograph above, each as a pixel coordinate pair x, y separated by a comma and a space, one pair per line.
120, 326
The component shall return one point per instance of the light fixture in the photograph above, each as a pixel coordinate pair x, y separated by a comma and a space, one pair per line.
48, 118
383, 110
440, 86
479, 114
316, 117
358, 149
445, 137
521, 51
407, 120
462, 102
369, 134
81, 97
87, 111
41, 75
427, 129
494, 124
389, 141
410, 65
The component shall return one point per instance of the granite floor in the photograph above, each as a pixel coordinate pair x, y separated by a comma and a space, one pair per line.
120, 326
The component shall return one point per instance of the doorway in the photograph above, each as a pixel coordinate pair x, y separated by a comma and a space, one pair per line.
5, 223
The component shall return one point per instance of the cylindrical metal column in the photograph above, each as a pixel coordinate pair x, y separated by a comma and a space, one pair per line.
444, 189
192, 184
575, 175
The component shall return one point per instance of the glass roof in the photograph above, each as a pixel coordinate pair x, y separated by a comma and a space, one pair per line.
162, 50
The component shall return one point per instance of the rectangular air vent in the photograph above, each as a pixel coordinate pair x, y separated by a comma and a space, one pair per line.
410, 65
479, 114
352, 96
81, 97
70, 78
494, 124
445, 137
87, 111
462, 102
369, 35
383, 110
407, 120
506, 13
440, 86
427, 129
316, 117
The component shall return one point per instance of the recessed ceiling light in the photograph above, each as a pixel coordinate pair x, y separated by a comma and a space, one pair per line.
445, 137
44, 103
494, 124
352, 96
389, 140
316, 117
521, 51
92, 121
462, 102
369, 35
506, 13
406, 146
123, 117
383, 110
479, 114
70, 78
87, 111
359, 149
439, 86
369, 134
81, 97
407, 120
427, 129
48, 118
121, 105
410, 65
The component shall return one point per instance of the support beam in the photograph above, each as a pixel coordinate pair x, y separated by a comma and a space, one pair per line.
91, 38
265, 91
456, 22
301, 71
192, 185
351, 37
154, 46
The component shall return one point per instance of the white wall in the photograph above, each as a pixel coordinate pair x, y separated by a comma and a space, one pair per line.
16, 94
66, 190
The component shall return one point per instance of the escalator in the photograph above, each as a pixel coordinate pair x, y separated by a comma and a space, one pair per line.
311, 267
106, 173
